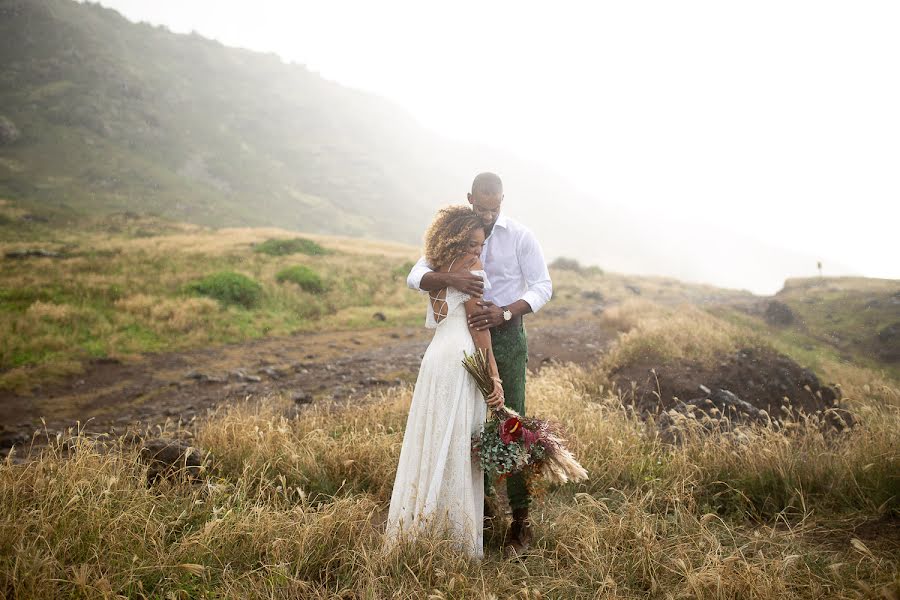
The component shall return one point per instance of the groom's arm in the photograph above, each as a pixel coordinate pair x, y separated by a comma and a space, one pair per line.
421, 277
537, 279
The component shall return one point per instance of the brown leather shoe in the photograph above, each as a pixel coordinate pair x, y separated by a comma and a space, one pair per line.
518, 541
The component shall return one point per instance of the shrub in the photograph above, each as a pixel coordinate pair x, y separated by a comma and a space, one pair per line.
570, 264
229, 288
303, 276
401, 271
277, 247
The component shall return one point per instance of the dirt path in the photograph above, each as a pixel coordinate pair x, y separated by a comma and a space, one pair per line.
110, 396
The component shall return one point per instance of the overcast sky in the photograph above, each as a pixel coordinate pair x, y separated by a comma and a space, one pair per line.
775, 120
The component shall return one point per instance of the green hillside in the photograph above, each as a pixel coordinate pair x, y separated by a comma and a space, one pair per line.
106, 115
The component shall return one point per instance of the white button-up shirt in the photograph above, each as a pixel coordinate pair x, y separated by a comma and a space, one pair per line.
514, 264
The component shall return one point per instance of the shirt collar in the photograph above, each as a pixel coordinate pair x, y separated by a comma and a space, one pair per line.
501, 221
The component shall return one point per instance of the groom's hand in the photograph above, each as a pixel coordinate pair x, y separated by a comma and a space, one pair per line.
490, 315
466, 282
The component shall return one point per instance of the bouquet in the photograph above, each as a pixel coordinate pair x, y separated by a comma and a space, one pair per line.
510, 443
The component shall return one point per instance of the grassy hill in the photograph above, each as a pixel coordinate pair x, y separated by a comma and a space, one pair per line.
101, 115
104, 115
846, 320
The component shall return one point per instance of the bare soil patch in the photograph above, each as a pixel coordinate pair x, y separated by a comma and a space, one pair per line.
113, 396
766, 379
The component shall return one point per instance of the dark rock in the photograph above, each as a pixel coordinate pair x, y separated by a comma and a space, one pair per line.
242, 376
808, 378
32, 252
594, 295
172, 458
379, 316
733, 407
302, 397
8, 439
193, 374
106, 360
633, 289
889, 342
830, 394
271, 372
839, 419
779, 314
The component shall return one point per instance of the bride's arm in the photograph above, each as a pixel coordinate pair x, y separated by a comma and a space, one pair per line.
482, 340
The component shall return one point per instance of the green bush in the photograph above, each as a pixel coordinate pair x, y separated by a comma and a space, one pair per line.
277, 247
229, 288
401, 271
303, 276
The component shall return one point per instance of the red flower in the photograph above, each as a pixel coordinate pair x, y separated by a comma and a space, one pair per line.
510, 430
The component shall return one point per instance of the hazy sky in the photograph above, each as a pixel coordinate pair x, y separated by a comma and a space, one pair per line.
776, 120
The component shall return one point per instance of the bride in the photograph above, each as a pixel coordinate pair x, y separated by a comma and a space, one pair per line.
438, 486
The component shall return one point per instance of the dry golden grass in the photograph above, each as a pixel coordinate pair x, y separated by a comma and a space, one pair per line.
293, 506
662, 333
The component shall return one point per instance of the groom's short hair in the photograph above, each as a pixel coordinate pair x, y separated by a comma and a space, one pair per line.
489, 182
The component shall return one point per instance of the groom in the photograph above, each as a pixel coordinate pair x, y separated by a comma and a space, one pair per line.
520, 284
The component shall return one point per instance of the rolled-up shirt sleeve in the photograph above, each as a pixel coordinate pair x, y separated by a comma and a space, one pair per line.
414, 279
534, 268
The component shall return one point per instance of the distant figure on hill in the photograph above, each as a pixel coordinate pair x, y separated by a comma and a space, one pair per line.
498, 274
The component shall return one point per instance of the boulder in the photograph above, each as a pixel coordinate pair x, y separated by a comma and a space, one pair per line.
9, 133
171, 458
779, 314
302, 397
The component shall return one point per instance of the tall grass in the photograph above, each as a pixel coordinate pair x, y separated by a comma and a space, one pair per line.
293, 506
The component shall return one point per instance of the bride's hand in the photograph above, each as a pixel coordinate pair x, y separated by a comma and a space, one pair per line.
496, 400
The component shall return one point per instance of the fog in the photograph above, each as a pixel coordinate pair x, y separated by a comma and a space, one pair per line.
736, 144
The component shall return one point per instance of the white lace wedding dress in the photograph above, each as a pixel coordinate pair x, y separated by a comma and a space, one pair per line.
438, 484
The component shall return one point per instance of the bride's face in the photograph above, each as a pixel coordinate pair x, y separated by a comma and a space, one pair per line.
475, 242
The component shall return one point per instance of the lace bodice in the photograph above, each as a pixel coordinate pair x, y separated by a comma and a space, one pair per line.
452, 301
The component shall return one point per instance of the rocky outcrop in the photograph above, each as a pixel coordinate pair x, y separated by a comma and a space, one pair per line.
779, 314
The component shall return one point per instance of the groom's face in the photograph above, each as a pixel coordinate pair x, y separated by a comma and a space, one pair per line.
486, 203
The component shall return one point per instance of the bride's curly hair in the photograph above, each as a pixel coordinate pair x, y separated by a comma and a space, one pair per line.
447, 236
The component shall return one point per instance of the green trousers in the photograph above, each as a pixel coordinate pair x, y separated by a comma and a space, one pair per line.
510, 345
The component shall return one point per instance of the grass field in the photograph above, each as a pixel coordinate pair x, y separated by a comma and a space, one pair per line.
125, 287
292, 507
128, 285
